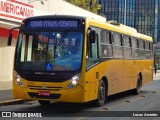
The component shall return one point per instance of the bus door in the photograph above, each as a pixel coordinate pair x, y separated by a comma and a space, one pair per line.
92, 65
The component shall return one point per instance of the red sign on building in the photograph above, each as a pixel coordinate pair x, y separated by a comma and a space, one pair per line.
15, 10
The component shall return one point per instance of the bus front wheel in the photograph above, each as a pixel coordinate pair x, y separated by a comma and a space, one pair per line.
101, 98
44, 102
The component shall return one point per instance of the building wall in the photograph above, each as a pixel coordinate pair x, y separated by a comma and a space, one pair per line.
9, 19
6, 61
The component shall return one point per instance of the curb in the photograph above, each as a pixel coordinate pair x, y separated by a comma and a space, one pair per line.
12, 102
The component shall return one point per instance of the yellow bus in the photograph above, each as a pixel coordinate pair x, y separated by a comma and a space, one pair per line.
77, 59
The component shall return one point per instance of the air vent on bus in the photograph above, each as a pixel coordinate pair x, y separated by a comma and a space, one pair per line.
122, 27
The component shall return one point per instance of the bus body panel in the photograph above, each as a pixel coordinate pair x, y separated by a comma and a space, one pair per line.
146, 68
91, 83
129, 73
109, 69
128, 78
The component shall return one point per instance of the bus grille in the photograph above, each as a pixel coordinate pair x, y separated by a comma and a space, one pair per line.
45, 78
51, 96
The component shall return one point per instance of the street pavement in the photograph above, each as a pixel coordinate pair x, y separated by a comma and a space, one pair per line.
6, 91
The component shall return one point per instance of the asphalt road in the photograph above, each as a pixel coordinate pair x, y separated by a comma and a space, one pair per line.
122, 106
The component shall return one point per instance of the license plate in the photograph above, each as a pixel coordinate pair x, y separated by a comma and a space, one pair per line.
44, 93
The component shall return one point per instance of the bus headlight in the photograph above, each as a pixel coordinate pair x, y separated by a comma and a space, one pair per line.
74, 81
17, 79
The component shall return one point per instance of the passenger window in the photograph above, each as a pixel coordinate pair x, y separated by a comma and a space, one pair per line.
117, 46
127, 41
117, 39
135, 48
106, 47
148, 50
127, 47
142, 54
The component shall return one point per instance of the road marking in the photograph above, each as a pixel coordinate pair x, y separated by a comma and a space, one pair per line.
129, 101
88, 115
106, 108
143, 96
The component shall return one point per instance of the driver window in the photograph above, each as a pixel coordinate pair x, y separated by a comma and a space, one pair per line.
93, 48
31, 50
39, 46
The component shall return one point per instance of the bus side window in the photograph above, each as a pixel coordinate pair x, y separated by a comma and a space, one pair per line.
117, 46
92, 47
110, 37
135, 48
148, 50
142, 49
127, 47
106, 44
93, 43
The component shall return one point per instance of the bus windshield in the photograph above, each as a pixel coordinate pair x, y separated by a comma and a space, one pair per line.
49, 51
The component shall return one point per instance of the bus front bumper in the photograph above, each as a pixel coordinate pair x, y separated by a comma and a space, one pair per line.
65, 95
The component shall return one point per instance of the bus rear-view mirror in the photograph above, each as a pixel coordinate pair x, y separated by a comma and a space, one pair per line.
10, 36
92, 36
9, 39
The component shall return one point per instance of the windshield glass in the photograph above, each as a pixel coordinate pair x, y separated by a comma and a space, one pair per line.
49, 51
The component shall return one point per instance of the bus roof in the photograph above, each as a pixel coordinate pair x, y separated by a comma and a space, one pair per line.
54, 16
109, 25
120, 28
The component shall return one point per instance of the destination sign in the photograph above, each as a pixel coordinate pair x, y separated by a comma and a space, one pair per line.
51, 24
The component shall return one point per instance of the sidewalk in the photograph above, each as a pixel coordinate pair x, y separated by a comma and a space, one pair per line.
157, 76
6, 91
6, 94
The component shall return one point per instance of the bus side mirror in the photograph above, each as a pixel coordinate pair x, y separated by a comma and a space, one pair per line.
92, 36
9, 39
10, 36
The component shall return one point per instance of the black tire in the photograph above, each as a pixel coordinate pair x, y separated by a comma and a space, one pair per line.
137, 90
44, 102
101, 98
